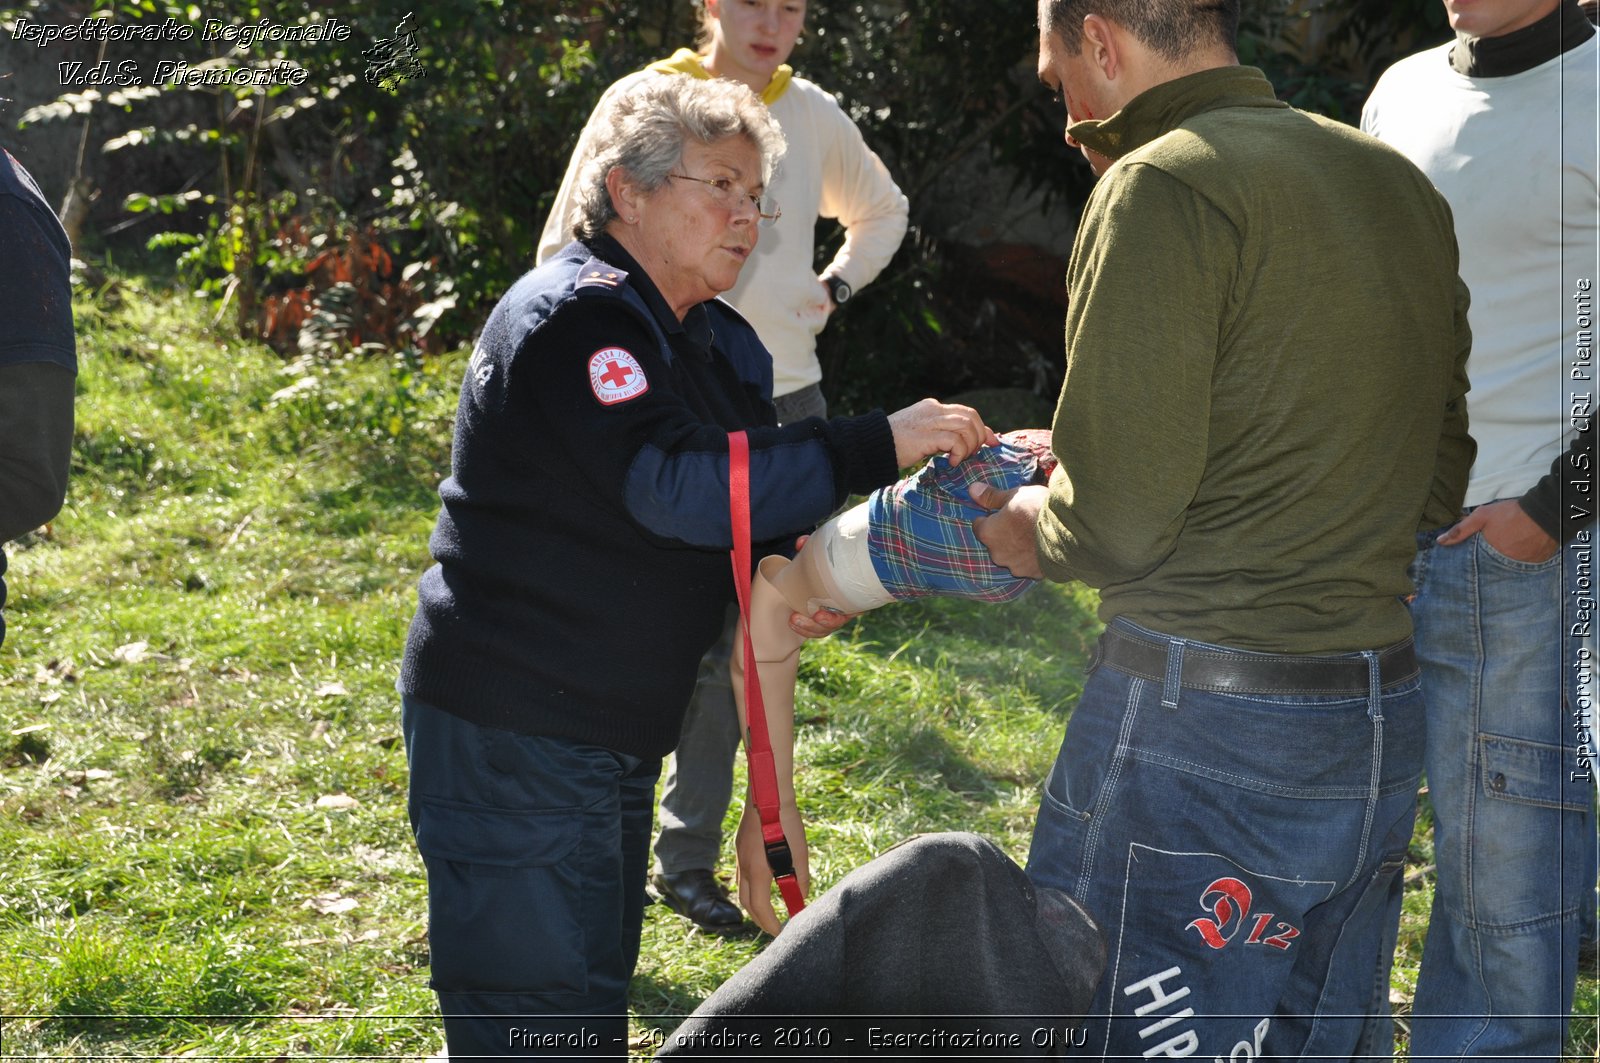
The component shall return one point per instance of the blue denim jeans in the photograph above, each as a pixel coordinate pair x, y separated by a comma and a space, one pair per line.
1513, 835
1243, 854
536, 851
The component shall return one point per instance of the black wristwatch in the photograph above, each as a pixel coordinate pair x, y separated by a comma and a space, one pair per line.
838, 290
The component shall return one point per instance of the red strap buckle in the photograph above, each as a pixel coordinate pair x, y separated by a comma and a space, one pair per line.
780, 859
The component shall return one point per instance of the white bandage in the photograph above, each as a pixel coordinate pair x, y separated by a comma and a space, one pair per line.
843, 541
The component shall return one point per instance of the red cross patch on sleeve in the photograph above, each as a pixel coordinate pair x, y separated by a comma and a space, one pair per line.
616, 376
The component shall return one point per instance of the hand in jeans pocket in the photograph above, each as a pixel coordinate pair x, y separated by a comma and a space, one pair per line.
1507, 529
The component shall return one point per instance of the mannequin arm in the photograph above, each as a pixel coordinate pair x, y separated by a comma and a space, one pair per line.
779, 590
786, 598
777, 652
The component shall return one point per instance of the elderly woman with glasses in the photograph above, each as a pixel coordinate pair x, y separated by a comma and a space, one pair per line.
582, 565
789, 297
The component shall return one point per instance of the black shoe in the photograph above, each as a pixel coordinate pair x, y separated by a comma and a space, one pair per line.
698, 896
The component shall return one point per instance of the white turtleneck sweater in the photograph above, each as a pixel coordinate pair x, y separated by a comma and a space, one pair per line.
1515, 157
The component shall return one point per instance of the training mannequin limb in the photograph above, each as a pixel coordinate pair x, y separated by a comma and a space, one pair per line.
915, 538
780, 587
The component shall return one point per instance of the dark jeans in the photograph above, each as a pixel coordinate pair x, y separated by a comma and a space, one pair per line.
536, 851
1242, 853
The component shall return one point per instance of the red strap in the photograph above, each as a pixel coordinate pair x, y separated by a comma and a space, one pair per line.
758, 751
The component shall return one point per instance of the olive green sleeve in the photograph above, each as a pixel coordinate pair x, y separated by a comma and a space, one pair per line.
1147, 301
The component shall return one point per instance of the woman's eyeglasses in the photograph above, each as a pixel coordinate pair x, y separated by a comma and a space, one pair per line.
732, 198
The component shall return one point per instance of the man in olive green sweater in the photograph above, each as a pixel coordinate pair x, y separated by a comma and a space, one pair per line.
1264, 401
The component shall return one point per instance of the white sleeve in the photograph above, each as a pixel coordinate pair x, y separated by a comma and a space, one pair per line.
558, 226
1369, 117
1370, 123
858, 190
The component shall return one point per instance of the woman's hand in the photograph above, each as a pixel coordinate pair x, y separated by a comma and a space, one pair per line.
820, 624
823, 622
932, 427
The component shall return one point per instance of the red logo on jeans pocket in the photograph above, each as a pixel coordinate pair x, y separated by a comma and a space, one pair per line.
1228, 902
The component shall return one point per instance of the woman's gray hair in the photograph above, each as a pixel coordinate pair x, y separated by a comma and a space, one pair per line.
644, 132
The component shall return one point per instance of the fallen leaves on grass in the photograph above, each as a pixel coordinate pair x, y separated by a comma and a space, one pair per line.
55, 673
331, 904
131, 652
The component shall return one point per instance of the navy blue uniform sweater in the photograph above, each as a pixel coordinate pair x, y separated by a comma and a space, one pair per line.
583, 535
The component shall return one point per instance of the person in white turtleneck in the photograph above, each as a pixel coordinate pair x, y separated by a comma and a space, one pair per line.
1503, 121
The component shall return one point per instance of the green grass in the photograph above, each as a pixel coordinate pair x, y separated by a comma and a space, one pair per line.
201, 779
202, 646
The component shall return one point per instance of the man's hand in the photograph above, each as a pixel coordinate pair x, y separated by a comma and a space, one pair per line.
1008, 531
753, 873
1506, 526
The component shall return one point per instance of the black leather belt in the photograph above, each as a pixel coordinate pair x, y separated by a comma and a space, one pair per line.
1247, 672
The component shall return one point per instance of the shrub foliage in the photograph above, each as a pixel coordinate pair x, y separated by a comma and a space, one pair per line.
366, 207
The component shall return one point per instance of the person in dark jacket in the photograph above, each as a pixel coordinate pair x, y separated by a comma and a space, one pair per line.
582, 565
38, 359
